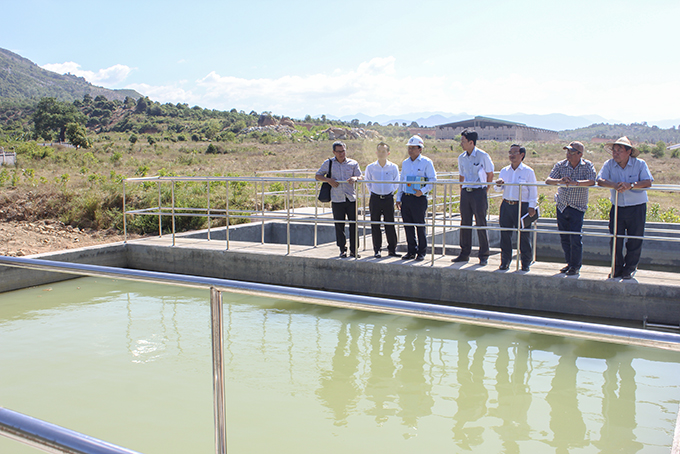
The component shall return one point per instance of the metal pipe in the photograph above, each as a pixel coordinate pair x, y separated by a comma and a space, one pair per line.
49, 437
219, 401
530, 323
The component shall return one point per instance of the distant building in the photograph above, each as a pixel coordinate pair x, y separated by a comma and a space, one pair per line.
673, 147
7, 158
493, 129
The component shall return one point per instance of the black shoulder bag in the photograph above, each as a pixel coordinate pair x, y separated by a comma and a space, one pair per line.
325, 191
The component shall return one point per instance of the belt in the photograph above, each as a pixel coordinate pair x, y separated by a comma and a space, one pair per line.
511, 202
382, 196
472, 189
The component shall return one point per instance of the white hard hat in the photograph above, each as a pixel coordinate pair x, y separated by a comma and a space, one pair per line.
416, 141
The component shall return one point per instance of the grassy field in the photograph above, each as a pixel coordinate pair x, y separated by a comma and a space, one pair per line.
84, 187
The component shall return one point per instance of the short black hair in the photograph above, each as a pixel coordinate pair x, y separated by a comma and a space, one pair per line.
339, 144
470, 135
522, 150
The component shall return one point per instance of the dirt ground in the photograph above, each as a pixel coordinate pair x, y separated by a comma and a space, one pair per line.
18, 239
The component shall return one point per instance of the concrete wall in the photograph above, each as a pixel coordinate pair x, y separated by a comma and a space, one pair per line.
508, 291
535, 293
18, 278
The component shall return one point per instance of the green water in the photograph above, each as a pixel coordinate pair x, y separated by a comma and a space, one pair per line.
130, 363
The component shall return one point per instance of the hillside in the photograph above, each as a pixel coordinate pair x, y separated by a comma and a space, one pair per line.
21, 79
637, 132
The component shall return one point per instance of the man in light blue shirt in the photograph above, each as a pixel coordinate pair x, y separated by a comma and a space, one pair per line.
626, 175
416, 172
474, 166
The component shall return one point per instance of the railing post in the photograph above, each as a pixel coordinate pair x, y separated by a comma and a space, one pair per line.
262, 212
356, 223
316, 213
124, 216
434, 220
219, 398
287, 218
444, 207
173, 212
363, 208
226, 213
615, 231
208, 192
160, 210
519, 226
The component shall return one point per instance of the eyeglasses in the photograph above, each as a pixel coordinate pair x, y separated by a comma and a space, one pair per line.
515, 153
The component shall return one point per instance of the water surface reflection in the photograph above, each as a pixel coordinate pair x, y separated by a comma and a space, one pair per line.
322, 379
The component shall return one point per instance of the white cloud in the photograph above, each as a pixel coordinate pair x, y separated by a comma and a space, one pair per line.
165, 93
377, 87
110, 76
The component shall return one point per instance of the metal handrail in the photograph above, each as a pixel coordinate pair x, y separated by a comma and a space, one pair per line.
291, 216
49, 437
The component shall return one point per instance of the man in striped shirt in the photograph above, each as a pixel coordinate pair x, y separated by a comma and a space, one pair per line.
575, 174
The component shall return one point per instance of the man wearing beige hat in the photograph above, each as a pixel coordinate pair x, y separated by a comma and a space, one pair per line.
627, 176
574, 174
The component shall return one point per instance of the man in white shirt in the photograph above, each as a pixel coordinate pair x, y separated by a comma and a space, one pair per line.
416, 171
474, 167
381, 202
516, 172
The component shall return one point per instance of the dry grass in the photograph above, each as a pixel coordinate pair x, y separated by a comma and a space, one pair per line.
96, 173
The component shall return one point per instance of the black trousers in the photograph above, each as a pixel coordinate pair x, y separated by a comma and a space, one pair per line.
383, 206
475, 204
413, 210
509, 218
341, 211
630, 221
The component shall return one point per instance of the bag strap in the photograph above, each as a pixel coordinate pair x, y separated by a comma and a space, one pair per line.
330, 166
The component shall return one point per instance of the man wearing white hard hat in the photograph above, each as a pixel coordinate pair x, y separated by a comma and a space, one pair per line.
628, 176
416, 172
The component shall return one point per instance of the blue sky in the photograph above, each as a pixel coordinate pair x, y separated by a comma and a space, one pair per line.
617, 59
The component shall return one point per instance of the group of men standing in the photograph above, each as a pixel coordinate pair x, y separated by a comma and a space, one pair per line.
625, 174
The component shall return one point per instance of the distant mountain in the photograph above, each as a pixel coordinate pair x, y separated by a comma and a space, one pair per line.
21, 79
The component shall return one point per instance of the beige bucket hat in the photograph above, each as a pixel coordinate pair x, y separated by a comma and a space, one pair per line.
626, 142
